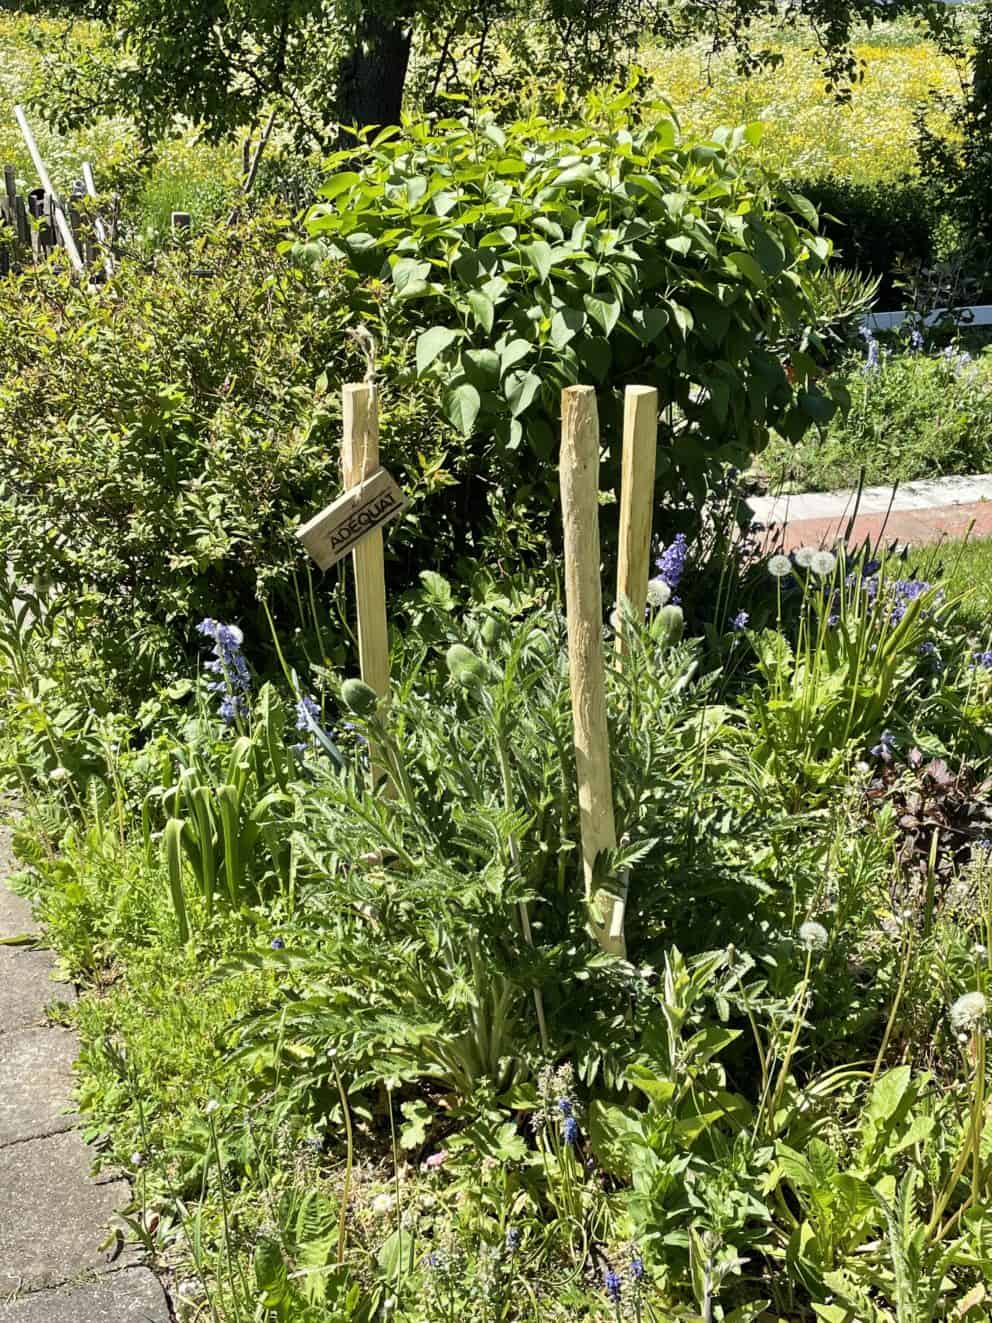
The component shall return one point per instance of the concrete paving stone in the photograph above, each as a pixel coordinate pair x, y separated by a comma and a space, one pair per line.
15, 912
27, 987
53, 1219
927, 494
35, 1083
130, 1296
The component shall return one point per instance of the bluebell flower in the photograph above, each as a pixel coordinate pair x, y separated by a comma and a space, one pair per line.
433, 1260
637, 1268
277, 944
883, 750
307, 711
229, 664
612, 1285
905, 591
513, 1239
739, 621
916, 340
873, 353
983, 660
671, 562
984, 843
565, 1106
870, 567
570, 1131
930, 649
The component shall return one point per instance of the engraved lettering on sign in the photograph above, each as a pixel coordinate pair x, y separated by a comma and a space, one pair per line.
339, 529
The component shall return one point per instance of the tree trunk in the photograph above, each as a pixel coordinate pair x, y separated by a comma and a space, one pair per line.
372, 74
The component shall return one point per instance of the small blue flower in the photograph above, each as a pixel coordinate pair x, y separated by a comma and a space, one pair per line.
885, 746
916, 340
565, 1106
570, 1131
277, 944
739, 621
512, 1239
637, 1268
984, 843
982, 660
433, 1260
307, 712
612, 1285
671, 562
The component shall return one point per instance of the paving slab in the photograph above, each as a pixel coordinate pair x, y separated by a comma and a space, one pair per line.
35, 1083
53, 1219
130, 1296
27, 987
15, 912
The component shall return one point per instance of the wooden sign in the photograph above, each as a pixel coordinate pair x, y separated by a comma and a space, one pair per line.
369, 505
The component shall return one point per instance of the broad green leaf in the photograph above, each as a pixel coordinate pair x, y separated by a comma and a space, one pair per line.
520, 388
483, 309
512, 353
565, 324
482, 365
432, 343
605, 311
408, 269
681, 243
747, 266
540, 256
461, 407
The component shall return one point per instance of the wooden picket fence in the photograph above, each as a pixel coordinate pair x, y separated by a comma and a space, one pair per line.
36, 223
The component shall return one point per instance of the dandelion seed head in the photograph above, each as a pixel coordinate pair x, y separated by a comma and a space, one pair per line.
813, 936
969, 1012
779, 566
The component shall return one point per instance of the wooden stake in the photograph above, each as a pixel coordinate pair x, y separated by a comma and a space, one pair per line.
68, 238
360, 459
99, 229
640, 445
579, 468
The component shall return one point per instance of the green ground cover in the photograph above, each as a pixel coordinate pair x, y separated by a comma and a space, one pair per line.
913, 414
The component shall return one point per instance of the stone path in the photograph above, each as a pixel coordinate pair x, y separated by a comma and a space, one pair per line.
53, 1215
918, 514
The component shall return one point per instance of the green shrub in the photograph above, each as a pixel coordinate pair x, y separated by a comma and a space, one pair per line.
165, 434
603, 249
877, 227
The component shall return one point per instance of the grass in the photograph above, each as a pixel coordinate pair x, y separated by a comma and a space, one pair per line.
968, 574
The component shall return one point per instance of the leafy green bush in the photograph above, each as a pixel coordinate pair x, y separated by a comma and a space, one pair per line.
164, 435
877, 227
606, 249
915, 415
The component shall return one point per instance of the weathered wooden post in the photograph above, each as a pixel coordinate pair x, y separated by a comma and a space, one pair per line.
360, 460
181, 222
354, 523
579, 471
58, 210
640, 445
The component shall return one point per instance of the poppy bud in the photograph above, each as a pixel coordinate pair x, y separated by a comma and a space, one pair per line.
669, 624
359, 697
465, 667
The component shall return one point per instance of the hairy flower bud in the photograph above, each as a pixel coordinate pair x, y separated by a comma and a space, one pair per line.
669, 624
493, 630
359, 697
465, 667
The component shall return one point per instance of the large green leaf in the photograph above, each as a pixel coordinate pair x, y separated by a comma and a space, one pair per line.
462, 405
432, 343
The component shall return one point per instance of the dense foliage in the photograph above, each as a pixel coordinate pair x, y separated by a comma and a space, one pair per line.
539, 254
367, 1060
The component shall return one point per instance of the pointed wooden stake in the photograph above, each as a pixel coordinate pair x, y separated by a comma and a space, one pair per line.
584, 600
360, 459
640, 445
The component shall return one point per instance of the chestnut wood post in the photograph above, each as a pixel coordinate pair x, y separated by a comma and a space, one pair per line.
359, 460
640, 445
579, 471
